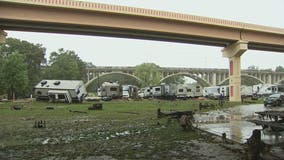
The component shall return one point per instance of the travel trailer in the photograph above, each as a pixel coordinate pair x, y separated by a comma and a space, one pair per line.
60, 90
246, 91
129, 91
212, 92
181, 91
268, 89
111, 89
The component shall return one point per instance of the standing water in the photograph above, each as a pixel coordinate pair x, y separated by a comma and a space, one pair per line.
233, 122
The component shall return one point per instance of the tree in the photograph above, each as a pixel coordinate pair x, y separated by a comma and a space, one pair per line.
175, 80
279, 69
14, 77
33, 58
65, 65
148, 73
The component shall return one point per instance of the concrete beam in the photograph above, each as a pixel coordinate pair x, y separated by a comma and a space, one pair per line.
235, 49
3, 35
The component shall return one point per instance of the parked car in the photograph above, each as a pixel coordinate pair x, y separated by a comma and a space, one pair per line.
274, 100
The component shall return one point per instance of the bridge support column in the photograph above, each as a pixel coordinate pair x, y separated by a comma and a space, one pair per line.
214, 81
234, 52
3, 35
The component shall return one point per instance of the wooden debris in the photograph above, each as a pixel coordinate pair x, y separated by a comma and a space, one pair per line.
174, 114
96, 106
40, 124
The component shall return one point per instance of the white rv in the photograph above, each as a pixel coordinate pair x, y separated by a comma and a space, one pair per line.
246, 91
181, 91
268, 89
111, 89
129, 91
212, 92
60, 90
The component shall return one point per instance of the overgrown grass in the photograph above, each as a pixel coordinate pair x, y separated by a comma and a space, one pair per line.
123, 129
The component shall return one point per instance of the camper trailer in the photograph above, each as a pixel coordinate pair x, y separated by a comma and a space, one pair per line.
246, 91
169, 91
268, 89
129, 91
212, 92
193, 90
181, 91
60, 90
111, 89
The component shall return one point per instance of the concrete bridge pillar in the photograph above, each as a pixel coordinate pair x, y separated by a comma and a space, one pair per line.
269, 79
3, 35
214, 81
234, 52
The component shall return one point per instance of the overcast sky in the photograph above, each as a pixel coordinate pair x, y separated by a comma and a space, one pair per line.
104, 51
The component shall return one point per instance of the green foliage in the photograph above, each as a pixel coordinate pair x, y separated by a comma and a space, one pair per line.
14, 77
279, 69
33, 58
65, 65
175, 80
148, 73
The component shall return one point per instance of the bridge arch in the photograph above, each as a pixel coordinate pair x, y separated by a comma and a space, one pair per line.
243, 76
201, 81
110, 73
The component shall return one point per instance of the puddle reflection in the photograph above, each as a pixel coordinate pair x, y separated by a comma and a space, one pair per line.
233, 122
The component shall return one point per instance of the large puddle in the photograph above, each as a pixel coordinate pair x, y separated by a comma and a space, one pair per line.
233, 122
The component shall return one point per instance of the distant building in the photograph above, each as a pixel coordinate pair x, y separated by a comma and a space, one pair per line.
60, 90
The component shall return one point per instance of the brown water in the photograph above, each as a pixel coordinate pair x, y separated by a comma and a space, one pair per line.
233, 122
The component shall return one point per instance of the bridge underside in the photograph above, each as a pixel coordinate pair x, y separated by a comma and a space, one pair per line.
47, 27
57, 19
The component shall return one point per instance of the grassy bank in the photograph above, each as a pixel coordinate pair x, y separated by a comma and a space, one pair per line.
122, 130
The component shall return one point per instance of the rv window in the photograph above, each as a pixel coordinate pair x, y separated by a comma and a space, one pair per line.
180, 90
157, 89
197, 86
113, 89
188, 90
39, 92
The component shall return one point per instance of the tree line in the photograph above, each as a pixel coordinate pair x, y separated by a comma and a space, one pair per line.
23, 65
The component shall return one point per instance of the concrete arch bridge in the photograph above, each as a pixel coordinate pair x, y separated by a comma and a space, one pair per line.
204, 76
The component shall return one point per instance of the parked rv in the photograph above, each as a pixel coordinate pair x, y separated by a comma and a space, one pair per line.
246, 91
111, 89
268, 89
181, 91
212, 92
60, 90
129, 91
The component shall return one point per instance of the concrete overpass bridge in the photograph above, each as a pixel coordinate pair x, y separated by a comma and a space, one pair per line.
85, 18
204, 76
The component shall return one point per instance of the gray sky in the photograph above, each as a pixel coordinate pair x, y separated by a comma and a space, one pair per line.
105, 51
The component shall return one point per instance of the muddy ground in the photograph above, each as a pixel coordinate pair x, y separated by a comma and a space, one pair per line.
133, 132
